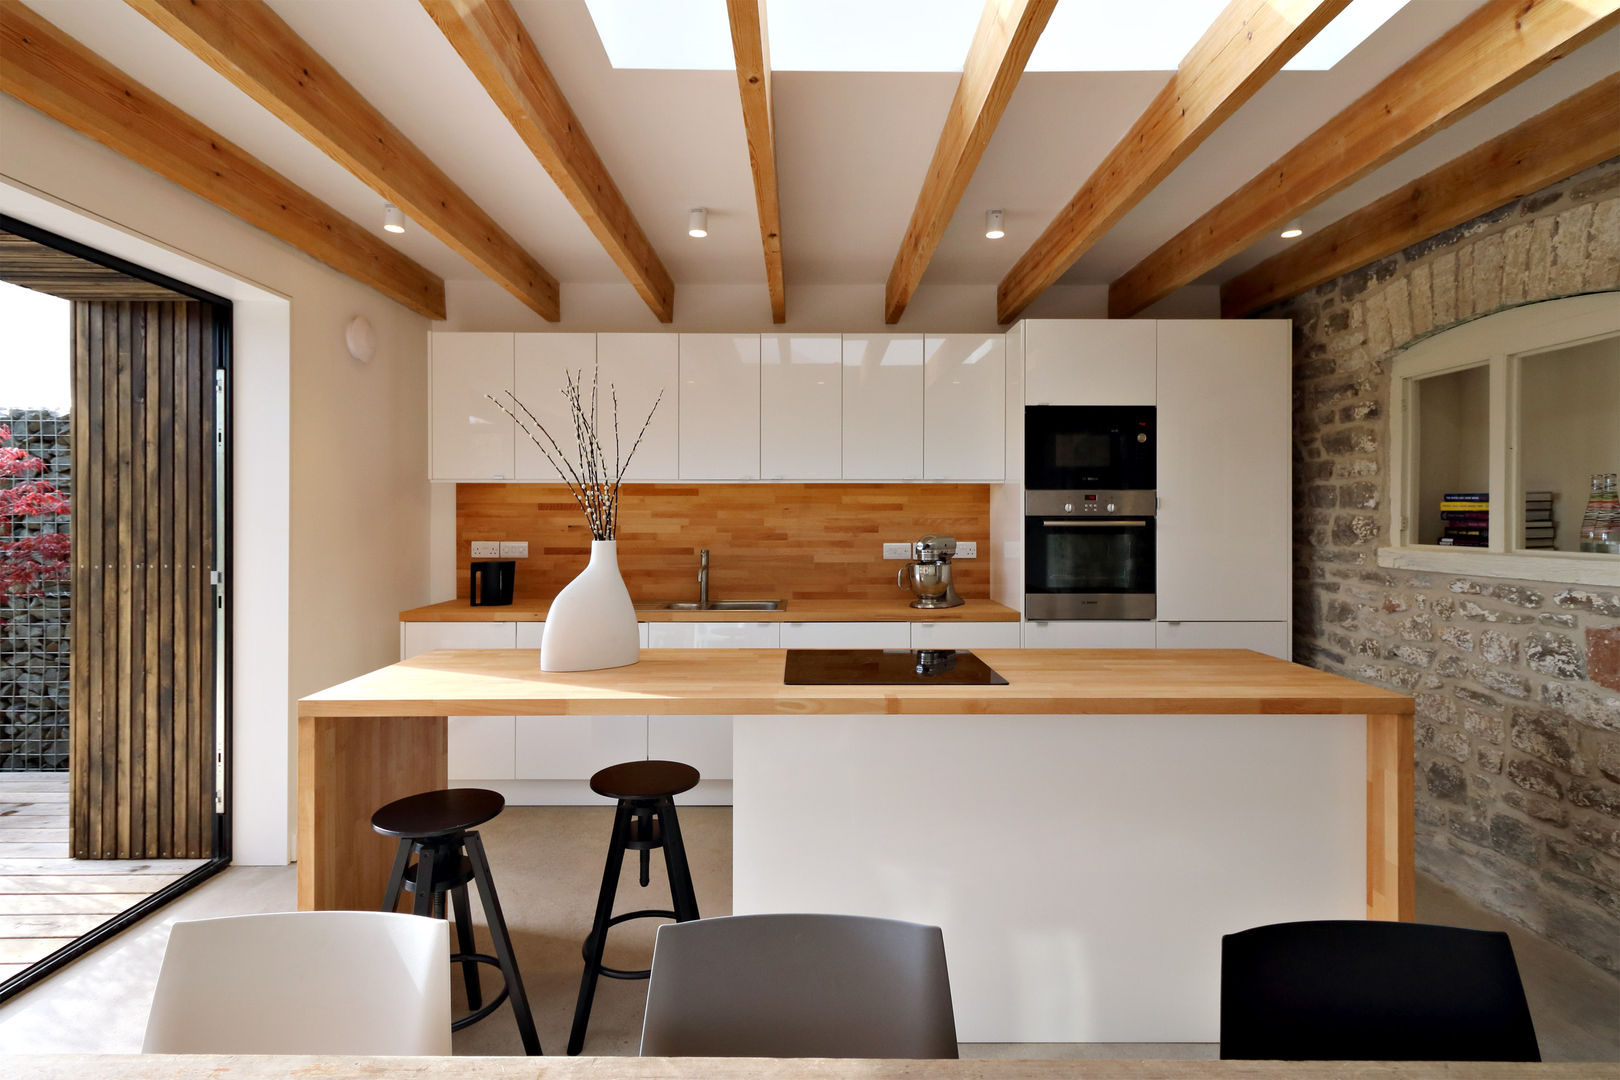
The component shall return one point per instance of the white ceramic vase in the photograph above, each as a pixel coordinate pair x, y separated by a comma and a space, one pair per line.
592, 623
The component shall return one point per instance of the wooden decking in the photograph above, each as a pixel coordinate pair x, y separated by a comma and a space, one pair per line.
46, 898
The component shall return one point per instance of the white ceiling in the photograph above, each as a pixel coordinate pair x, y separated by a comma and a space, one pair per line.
852, 147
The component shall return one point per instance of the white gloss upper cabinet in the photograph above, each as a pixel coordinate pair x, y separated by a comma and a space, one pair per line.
1224, 531
1089, 361
469, 437
964, 429
542, 364
883, 407
801, 407
720, 406
639, 366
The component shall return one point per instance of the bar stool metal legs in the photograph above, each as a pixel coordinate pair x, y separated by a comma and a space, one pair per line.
639, 824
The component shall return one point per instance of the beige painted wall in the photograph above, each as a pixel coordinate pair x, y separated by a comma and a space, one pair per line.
352, 434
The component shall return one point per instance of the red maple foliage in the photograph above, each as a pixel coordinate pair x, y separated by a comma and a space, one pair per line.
28, 562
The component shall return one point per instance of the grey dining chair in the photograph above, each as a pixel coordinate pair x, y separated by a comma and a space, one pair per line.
799, 986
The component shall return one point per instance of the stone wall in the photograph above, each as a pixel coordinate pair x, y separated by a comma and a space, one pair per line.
35, 637
1517, 682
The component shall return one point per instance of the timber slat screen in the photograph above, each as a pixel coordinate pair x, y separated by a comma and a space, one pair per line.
141, 738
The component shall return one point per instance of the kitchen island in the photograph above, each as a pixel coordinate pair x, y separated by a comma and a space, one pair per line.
1084, 834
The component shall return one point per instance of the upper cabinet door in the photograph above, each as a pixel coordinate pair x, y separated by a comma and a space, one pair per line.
801, 407
964, 429
883, 407
719, 406
469, 437
1224, 539
1089, 361
543, 362
639, 366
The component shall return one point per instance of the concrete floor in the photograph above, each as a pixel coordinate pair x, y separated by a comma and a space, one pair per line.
548, 864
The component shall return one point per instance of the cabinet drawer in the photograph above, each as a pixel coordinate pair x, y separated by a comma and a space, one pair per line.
714, 635
421, 637
480, 748
846, 635
1270, 638
1089, 634
964, 635
530, 634
574, 747
703, 742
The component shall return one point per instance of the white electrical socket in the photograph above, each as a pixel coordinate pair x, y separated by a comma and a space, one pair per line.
514, 549
967, 549
897, 551
486, 549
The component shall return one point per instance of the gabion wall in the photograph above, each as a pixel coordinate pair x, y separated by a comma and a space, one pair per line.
34, 641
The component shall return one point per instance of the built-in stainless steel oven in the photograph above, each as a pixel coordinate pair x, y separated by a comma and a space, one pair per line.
1089, 554
1090, 448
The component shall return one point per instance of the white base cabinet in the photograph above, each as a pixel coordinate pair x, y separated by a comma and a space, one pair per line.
1271, 638
574, 747
703, 742
1089, 634
480, 747
846, 635
714, 635
964, 635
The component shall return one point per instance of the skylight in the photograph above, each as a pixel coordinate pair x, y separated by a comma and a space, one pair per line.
934, 35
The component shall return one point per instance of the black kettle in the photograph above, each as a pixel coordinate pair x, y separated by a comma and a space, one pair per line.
492, 582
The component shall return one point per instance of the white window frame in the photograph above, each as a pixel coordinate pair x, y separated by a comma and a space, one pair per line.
1498, 342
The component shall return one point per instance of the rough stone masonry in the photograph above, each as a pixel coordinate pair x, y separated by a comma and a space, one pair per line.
1517, 683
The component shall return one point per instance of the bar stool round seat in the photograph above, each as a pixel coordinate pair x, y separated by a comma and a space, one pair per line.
637, 780
643, 820
438, 828
434, 814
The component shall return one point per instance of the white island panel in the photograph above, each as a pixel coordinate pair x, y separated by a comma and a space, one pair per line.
1083, 868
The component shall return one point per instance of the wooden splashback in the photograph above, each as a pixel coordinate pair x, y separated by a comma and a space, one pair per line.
765, 541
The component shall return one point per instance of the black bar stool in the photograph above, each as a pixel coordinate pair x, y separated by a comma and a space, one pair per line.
437, 826
645, 819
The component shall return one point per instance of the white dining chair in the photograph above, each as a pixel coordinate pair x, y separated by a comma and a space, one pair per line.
304, 982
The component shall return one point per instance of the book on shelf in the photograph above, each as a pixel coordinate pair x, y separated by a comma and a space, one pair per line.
1464, 504
1463, 541
1466, 496
1464, 517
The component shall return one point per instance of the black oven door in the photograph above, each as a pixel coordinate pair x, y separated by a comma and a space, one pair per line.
1069, 447
1089, 568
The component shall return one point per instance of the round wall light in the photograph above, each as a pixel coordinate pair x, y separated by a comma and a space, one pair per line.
361, 339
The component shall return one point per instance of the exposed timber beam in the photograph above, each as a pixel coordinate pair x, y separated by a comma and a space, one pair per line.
1575, 134
1245, 46
250, 45
1492, 50
749, 44
1007, 32
492, 41
44, 68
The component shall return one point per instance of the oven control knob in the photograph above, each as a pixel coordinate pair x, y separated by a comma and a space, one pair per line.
1110, 508
1068, 508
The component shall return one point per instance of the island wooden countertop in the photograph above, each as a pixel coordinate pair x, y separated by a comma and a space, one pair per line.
267, 1067
896, 610
495, 682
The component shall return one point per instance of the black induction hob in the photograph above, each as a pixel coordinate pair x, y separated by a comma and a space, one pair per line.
887, 667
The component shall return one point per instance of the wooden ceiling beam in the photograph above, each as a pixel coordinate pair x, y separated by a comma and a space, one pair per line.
1006, 35
751, 48
493, 43
1575, 134
1492, 50
1246, 45
249, 44
44, 68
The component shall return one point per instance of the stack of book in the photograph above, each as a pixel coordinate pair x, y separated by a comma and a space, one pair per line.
1539, 528
1465, 518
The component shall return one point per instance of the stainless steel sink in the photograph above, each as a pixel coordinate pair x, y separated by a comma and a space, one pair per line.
727, 605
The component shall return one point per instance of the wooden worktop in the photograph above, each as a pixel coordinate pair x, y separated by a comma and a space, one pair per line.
896, 610
495, 682
267, 1067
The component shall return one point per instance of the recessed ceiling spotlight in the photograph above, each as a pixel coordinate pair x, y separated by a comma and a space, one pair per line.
393, 220
1294, 229
697, 222
992, 225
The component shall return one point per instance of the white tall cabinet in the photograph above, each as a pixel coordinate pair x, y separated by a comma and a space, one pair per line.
801, 406
883, 407
469, 437
1089, 361
720, 403
964, 433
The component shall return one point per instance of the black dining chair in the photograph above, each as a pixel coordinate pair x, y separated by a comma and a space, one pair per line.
827, 986
1372, 991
